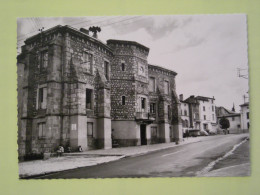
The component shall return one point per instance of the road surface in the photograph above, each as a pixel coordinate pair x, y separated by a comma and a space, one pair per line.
182, 161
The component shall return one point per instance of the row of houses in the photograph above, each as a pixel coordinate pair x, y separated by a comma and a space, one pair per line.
200, 116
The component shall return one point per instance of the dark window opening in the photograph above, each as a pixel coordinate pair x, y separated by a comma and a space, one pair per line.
42, 98
106, 70
153, 108
143, 103
123, 100
41, 95
123, 66
247, 115
89, 98
169, 112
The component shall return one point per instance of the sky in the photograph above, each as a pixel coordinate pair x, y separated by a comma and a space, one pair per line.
205, 50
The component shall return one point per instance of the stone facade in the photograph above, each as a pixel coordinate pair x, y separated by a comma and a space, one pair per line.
73, 89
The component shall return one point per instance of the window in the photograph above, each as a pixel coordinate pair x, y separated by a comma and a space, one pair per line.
169, 112
106, 69
42, 97
123, 66
41, 130
205, 117
248, 125
247, 115
213, 117
90, 129
143, 101
233, 118
166, 87
88, 62
153, 132
186, 123
238, 126
204, 108
185, 112
152, 84
153, 108
212, 108
88, 98
43, 59
123, 100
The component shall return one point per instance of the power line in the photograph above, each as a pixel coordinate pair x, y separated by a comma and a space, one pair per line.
103, 26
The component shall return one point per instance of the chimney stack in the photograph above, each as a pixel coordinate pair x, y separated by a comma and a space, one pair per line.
85, 31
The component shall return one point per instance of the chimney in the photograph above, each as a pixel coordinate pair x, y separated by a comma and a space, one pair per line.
181, 97
85, 31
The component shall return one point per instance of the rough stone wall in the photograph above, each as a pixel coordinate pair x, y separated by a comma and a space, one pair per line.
161, 99
129, 82
66, 85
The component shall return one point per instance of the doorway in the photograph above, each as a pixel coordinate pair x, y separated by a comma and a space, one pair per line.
143, 134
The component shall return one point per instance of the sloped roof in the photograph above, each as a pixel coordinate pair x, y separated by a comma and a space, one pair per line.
245, 104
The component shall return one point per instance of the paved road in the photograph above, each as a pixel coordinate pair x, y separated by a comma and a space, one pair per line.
184, 160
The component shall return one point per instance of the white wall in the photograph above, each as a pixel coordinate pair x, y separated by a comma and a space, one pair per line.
244, 119
208, 112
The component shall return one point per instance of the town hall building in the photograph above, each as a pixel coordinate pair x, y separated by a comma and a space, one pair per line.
74, 90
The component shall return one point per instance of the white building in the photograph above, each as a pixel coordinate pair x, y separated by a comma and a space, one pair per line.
207, 112
245, 124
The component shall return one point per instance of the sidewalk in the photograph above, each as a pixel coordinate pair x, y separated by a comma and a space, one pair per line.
93, 157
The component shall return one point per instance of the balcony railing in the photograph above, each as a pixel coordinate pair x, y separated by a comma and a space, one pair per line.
144, 116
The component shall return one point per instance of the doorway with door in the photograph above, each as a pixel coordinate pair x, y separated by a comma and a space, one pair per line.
143, 134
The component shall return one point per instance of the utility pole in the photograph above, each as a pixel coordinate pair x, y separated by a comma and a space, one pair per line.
243, 73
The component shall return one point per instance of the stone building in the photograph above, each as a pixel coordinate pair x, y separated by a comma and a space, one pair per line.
74, 90
191, 120
233, 117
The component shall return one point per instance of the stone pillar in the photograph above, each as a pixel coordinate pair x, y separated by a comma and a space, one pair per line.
104, 133
148, 134
177, 132
164, 132
78, 132
104, 121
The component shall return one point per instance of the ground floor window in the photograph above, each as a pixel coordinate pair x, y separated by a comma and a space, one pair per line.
41, 130
89, 98
153, 132
90, 129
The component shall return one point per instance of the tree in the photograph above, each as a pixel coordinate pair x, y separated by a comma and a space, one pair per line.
224, 124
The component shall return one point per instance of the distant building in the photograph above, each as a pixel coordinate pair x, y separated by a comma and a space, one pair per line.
190, 115
208, 118
233, 117
198, 115
245, 122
